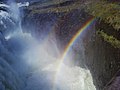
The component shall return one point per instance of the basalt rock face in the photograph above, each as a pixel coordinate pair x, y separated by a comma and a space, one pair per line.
39, 25
101, 58
63, 26
68, 26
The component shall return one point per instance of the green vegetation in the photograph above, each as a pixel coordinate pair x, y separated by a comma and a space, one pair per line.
53, 7
46, 3
108, 12
110, 39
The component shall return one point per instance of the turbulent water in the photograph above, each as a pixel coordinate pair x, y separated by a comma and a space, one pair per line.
28, 64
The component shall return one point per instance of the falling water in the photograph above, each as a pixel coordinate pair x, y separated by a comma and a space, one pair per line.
34, 64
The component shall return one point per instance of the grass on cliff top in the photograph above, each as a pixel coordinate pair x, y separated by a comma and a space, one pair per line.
47, 3
63, 9
110, 39
109, 12
106, 11
39, 8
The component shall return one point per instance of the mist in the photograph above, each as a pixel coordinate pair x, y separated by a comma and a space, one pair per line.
37, 64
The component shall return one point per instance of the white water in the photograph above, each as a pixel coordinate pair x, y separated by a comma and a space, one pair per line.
38, 64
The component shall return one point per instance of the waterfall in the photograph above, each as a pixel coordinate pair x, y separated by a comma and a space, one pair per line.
28, 64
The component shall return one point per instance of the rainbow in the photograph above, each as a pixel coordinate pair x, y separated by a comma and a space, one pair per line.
72, 41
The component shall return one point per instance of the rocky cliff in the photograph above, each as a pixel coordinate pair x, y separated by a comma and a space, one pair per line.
100, 57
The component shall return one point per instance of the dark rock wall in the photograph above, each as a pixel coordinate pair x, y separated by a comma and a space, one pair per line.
101, 58
69, 24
